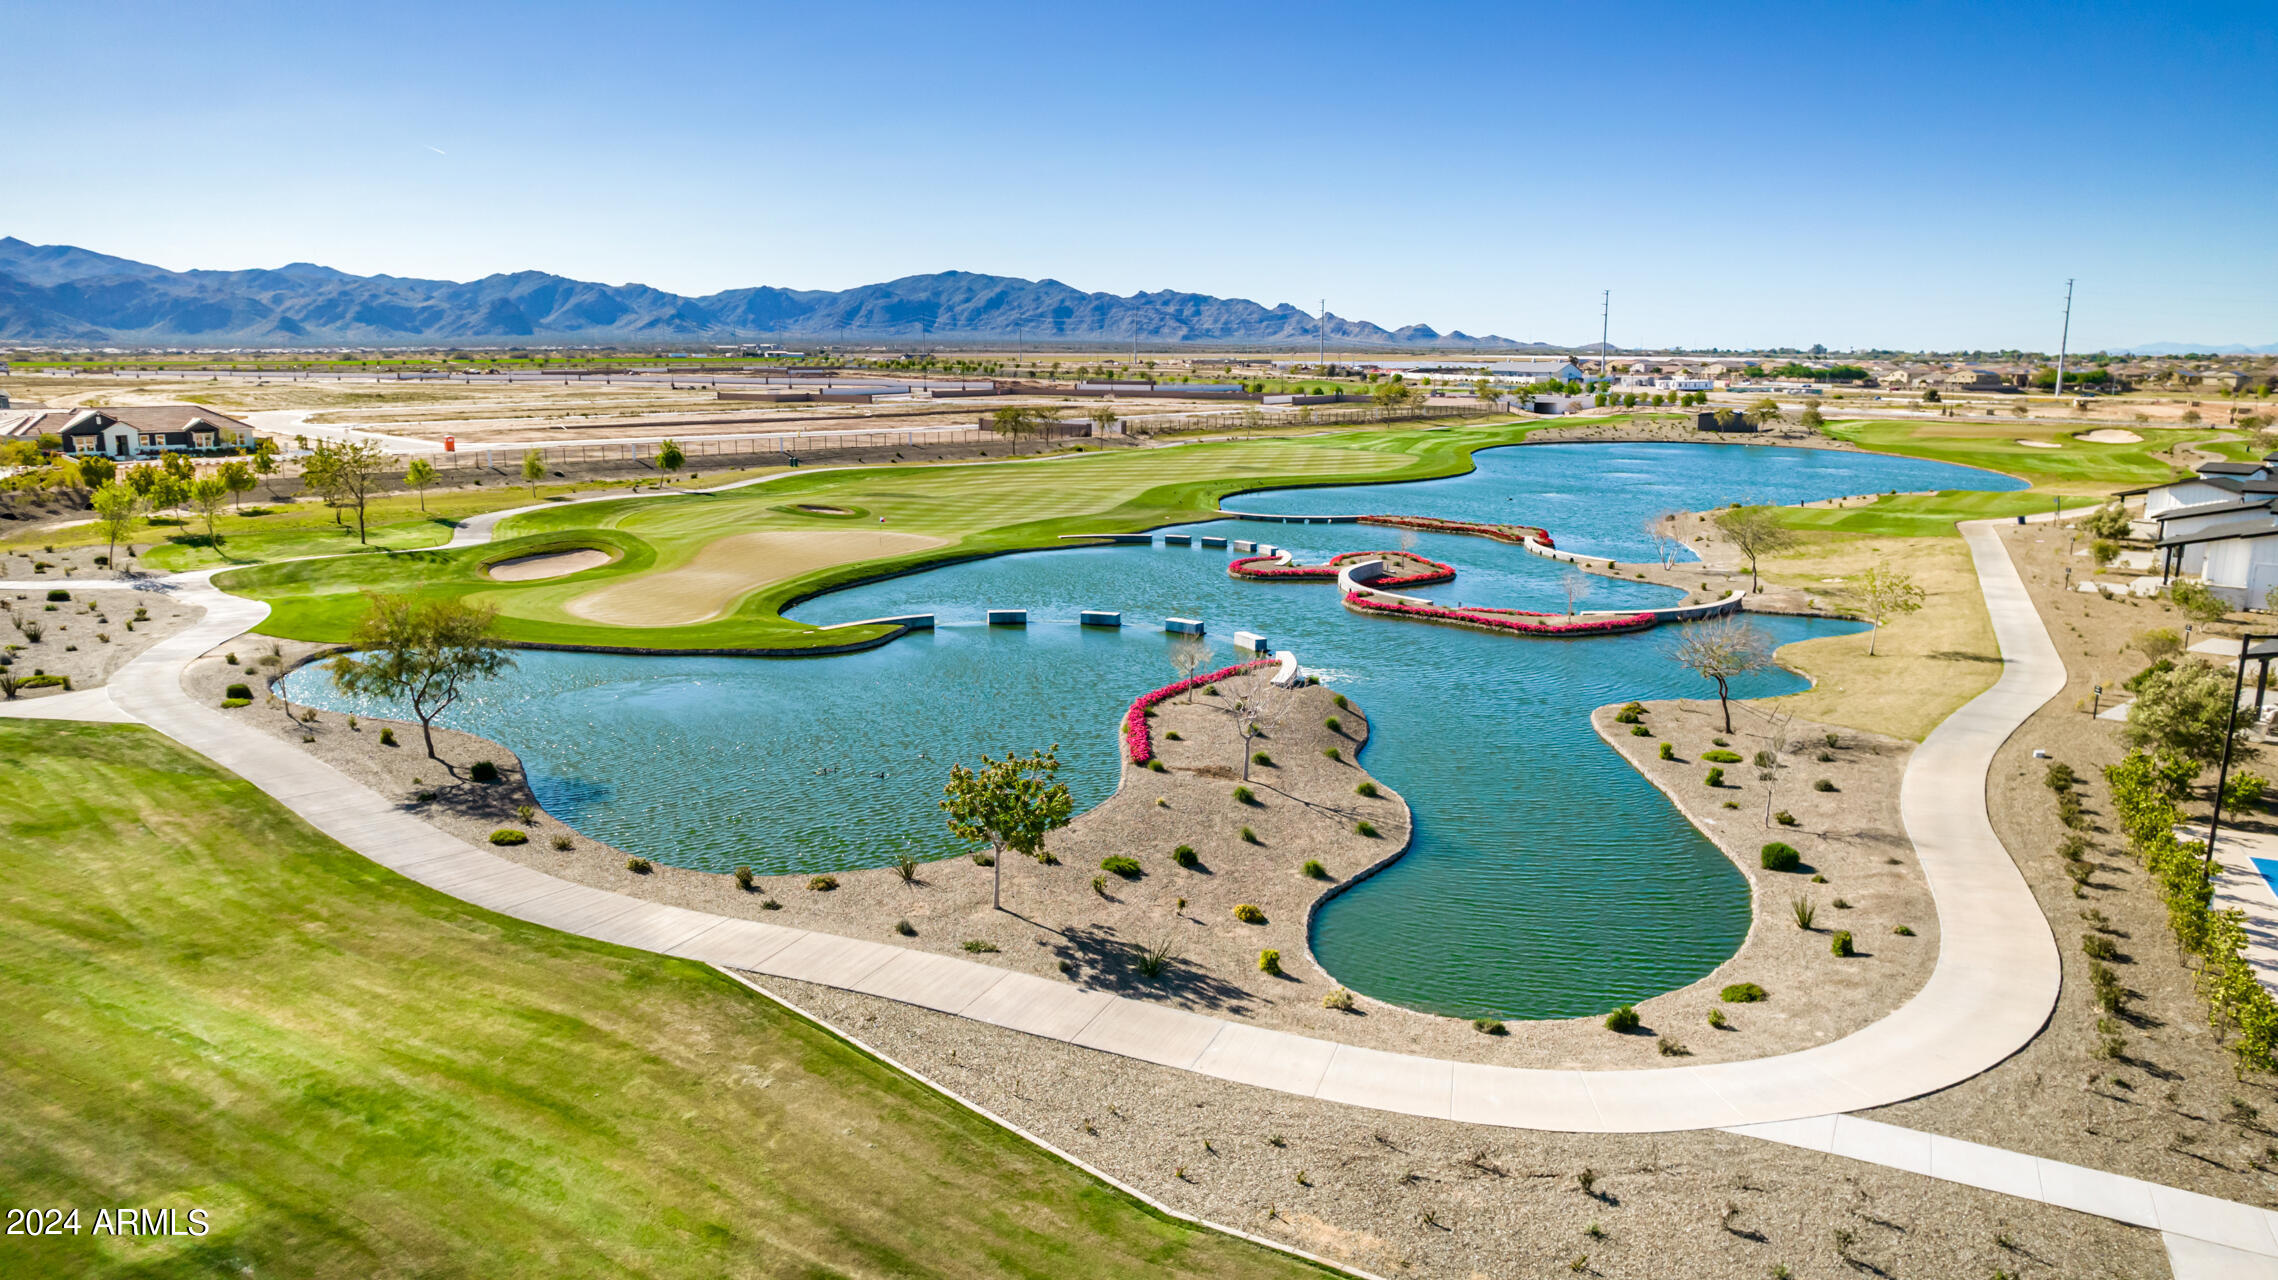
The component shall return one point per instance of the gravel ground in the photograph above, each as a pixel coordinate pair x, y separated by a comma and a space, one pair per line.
2165, 1109
88, 636
1851, 835
1402, 1196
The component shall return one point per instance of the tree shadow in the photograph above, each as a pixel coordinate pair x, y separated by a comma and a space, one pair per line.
1112, 962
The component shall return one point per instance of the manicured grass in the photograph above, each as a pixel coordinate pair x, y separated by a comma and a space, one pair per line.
979, 509
211, 1006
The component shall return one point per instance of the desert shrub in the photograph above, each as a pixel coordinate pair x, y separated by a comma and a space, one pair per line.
1128, 868
1742, 993
1313, 870
1243, 795
1672, 1047
744, 879
2059, 776
984, 859
1341, 703
2098, 947
1624, 1019
1902, 930
1489, 1027
1840, 944
1249, 836
59, 595
232, 704
1333, 725
1717, 1019
387, 736
639, 866
1365, 789
1183, 855
1822, 784
2111, 993
1824, 757
1842, 904
1640, 731
906, 867
1248, 914
1784, 818
1718, 742
1340, 1000
1330, 753
1804, 911
1269, 961
1668, 752
1260, 757
508, 835
823, 884
239, 691
1625, 716
229, 658
979, 946
1817, 878
2073, 847
1780, 856
1173, 735
1155, 766
564, 844
905, 928
1834, 740
1721, 757
483, 771
1715, 776
770, 904
525, 814
1365, 828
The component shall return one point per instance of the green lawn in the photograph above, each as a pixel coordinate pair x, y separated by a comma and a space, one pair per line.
978, 509
213, 1007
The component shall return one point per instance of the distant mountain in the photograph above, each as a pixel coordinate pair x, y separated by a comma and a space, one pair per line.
2190, 348
58, 293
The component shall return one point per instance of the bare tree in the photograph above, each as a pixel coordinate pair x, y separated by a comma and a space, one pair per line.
1723, 651
1661, 528
1257, 706
1887, 591
1188, 654
1768, 764
1577, 585
1756, 533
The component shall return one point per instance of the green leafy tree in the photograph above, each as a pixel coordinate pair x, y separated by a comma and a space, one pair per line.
1811, 419
1886, 591
237, 478
178, 466
670, 456
2186, 713
533, 470
423, 653
264, 462
419, 475
1723, 651
1755, 532
115, 508
1011, 803
207, 496
1766, 412
142, 480
1103, 420
167, 492
1016, 420
2107, 521
344, 472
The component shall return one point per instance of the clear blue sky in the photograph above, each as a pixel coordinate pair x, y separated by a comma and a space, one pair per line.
1850, 174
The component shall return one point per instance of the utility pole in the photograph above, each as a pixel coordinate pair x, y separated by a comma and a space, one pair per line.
1605, 321
1324, 327
2065, 341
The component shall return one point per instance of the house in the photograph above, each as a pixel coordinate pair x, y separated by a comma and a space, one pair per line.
2220, 526
1537, 371
1972, 378
2225, 379
139, 431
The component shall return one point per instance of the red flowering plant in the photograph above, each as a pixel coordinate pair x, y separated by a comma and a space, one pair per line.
1138, 739
1514, 621
1519, 533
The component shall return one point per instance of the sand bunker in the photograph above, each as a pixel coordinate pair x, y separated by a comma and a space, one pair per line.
728, 569
2040, 444
2110, 435
824, 511
550, 564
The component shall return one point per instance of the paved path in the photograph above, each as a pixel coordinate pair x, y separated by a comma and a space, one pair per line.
2240, 887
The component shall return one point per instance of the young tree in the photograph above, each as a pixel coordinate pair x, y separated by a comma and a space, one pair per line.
265, 464
1014, 421
167, 492
425, 653
533, 470
1811, 419
1103, 418
1766, 412
236, 477
419, 475
1661, 529
344, 472
1756, 532
1259, 705
1188, 653
207, 494
2108, 521
670, 455
2186, 712
142, 480
1577, 586
1012, 803
1886, 591
1723, 651
115, 508
178, 466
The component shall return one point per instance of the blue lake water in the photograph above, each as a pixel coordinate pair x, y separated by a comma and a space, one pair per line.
1546, 878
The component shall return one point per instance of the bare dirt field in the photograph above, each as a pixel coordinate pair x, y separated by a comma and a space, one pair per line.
725, 570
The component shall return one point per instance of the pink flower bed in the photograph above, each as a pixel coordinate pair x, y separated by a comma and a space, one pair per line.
1436, 573
1518, 533
1138, 739
1264, 567
1255, 567
1509, 620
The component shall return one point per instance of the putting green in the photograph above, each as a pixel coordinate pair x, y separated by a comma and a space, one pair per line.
726, 569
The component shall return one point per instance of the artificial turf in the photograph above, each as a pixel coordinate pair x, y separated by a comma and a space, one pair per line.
211, 1006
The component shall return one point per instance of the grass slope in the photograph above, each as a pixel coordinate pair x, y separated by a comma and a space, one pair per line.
979, 509
213, 1006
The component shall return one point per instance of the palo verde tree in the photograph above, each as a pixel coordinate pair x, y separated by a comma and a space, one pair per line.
1766, 412
115, 508
207, 494
344, 471
1723, 651
533, 470
1886, 591
1756, 532
419, 475
238, 478
1011, 803
671, 456
1017, 420
1103, 420
422, 652
264, 462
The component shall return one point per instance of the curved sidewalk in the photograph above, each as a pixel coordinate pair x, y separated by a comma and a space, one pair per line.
1994, 985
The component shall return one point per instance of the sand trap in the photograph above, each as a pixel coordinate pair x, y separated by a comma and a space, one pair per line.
2040, 444
2110, 435
550, 564
824, 511
728, 569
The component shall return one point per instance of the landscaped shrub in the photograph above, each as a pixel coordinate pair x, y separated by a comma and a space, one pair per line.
1249, 836
1717, 1019
1668, 751
1784, 818
1340, 701
1780, 856
1340, 1000
1365, 828
1243, 795
823, 884
1903, 931
1248, 914
983, 859
508, 835
1742, 993
744, 879
1183, 855
1715, 776
1672, 1047
1804, 911
1269, 961
1331, 753
639, 866
1822, 784
1630, 714
1489, 1027
59, 595
1313, 870
1332, 725
1840, 944
483, 771
2060, 776
1365, 789
1624, 1019
1260, 757
1721, 756
2098, 947
387, 736
1155, 766
239, 691
905, 928
1640, 731
232, 704
1172, 735
525, 814
1128, 868
979, 946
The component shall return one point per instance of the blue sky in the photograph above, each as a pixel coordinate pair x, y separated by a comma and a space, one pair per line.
1864, 174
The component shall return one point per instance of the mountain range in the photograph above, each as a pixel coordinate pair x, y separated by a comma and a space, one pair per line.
65, 294
2201, 348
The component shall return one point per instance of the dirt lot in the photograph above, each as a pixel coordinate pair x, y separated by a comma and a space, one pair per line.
86, 637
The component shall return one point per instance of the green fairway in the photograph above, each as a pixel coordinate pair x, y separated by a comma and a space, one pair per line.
213, 1007
975, 509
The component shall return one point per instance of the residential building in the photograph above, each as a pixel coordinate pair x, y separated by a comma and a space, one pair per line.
2220, 526
137, 431
1972, 378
